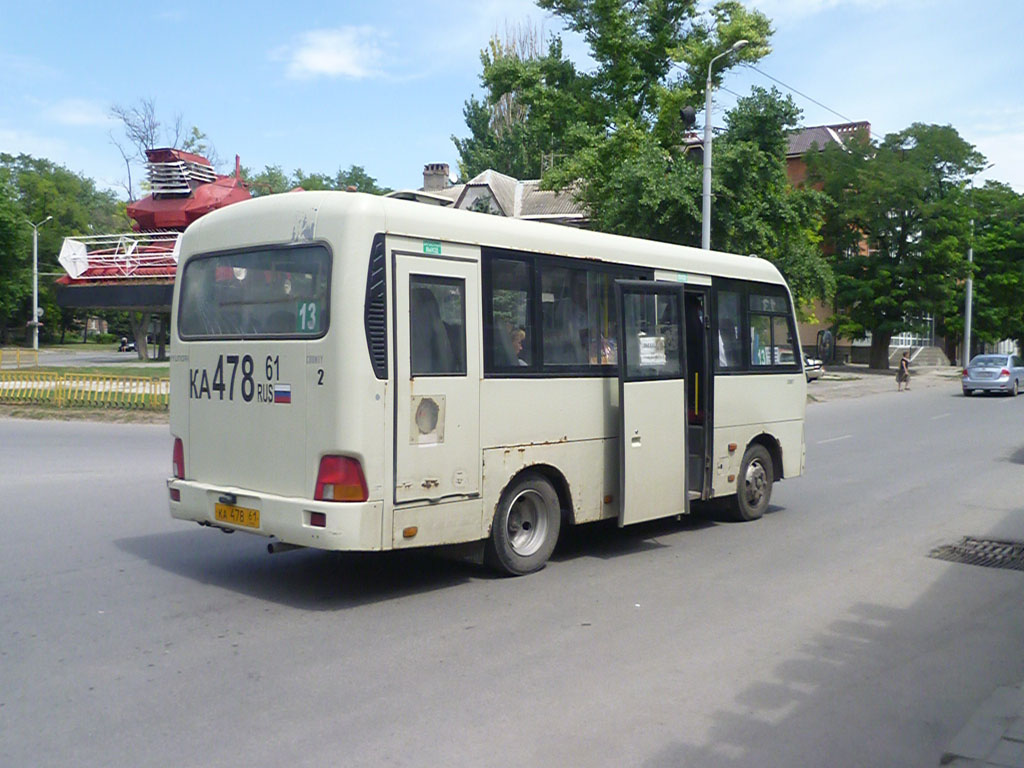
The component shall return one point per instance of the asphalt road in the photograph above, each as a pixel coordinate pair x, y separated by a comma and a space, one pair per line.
822, 634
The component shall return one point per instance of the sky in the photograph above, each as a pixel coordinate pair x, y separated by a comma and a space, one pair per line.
322, 86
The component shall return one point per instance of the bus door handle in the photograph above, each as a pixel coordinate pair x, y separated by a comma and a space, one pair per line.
635, 441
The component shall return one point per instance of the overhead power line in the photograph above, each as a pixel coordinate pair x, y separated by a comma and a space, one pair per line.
805, 96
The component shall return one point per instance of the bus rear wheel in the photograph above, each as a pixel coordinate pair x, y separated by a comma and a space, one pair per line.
525, 527
753, 484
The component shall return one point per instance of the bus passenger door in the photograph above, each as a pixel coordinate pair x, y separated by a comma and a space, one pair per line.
437, 378
652, 401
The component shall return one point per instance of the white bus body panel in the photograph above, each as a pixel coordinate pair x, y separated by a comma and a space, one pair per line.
750, 405
269, 458
268, 453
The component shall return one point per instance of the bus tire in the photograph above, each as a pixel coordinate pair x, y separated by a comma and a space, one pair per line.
525, 527
753, 484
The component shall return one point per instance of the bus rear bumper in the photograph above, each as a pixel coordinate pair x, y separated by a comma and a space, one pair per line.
347, 525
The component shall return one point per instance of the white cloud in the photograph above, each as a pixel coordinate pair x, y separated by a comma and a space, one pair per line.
351, 52
17, 141
79, 112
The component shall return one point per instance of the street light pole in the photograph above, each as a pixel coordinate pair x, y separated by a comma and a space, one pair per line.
970, 281
705, 235
35, 281
967, 301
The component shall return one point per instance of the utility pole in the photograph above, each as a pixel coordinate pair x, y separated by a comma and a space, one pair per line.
705, 235
35, 282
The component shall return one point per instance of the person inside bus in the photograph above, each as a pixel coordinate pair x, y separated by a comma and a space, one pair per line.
517, 336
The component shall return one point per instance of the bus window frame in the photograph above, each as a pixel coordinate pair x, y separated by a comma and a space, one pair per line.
536, 263
261, 336
745, 288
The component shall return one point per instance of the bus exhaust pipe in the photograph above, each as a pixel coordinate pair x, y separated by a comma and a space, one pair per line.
281, 546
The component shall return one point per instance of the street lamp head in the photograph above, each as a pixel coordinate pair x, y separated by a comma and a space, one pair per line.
738, 45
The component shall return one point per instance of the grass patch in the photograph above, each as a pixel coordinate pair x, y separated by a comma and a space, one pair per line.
147, 370
108, 415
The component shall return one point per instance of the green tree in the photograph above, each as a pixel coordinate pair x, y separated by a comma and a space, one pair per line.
356, 176
998, 295
539, 111
273, 180
41, 188
897, 227
614, 138
757, 210
15, 265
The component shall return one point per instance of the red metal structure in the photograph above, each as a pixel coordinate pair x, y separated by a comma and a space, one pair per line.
183, 187
135, 270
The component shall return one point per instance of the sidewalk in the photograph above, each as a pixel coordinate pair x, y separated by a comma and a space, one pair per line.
994, 736
845, 381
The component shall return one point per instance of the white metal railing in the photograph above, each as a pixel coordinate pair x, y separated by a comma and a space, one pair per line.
173, 178
123, 254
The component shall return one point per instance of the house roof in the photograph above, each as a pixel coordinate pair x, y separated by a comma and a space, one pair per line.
800, 141
515, 198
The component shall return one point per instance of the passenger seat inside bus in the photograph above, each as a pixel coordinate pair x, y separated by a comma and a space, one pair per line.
431, 346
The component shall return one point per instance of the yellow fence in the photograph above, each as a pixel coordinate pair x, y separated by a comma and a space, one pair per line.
83, 389
16, 358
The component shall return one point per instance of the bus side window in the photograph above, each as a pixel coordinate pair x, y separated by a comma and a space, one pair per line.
437, 325
730, 347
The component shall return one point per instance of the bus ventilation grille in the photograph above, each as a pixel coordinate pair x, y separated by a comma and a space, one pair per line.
376, 309
989, 553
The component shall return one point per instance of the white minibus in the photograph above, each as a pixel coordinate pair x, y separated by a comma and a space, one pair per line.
353, 372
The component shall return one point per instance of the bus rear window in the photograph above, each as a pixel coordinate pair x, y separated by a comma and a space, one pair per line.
268, 293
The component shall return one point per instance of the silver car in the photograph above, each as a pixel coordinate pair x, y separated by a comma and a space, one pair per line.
994, 373
813, 368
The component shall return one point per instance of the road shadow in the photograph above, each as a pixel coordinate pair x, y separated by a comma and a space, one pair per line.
605, 540
808, 708
313, 579
309, 579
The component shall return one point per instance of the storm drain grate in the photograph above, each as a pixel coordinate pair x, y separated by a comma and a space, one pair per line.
989, 553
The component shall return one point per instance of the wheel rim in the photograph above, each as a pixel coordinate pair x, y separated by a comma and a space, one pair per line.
756, 482
527, 524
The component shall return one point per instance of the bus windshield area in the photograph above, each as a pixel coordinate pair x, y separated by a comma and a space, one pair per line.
271, 293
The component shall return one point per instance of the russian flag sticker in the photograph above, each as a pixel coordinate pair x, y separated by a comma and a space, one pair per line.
282, 393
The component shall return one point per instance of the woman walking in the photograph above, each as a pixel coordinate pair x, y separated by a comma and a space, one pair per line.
903, 374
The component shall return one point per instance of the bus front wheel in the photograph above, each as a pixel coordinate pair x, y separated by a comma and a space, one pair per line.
525, 527
754, 483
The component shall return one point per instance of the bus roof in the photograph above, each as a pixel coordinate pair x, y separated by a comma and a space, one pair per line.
412, 219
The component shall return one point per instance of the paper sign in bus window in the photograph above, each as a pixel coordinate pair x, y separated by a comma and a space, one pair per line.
652, 351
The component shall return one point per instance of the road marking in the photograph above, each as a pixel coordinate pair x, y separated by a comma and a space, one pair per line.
940, 416
835, 439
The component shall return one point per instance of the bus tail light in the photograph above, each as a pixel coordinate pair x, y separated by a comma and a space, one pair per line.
340, 479
178, 460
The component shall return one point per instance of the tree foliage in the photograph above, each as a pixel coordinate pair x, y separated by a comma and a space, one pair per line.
897, 227
998, 295
757, 210
273, 180
614, 137
30, 190
15, 271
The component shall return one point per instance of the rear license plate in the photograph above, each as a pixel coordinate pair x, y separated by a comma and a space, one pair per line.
244, 516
